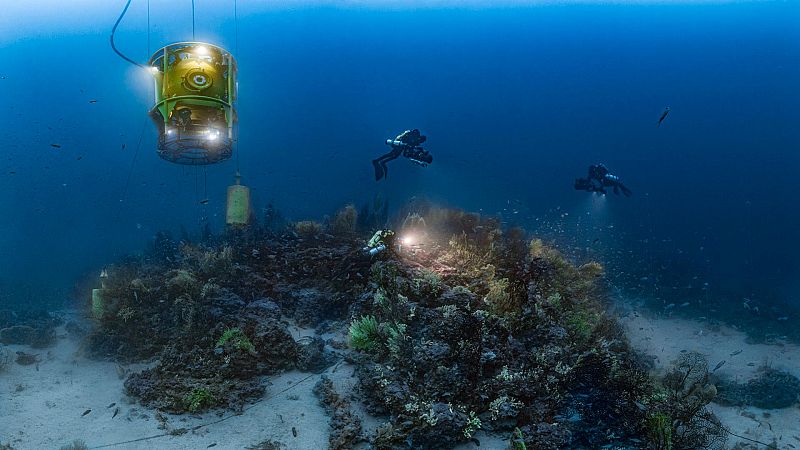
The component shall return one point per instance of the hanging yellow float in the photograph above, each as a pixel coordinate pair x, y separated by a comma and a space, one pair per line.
238, 207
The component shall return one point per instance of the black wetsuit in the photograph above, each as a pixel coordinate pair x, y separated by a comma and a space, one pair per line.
599, 179
406, 144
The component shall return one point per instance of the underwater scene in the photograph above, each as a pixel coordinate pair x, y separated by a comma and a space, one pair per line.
399, 224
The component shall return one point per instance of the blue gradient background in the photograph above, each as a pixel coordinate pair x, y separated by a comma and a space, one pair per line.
516, 100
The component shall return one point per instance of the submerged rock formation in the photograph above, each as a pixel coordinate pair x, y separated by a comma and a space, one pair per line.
460, 327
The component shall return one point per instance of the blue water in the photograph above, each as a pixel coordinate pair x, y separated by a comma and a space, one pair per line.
516, 100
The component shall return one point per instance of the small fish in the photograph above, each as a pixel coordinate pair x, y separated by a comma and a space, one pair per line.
294, 431
204, 201
86, 412
670, 306
123, 147
663, 116
111, 405
212, 445
736, 352
719, 364
596, 241
55, 145
783, 318
116, 411
92, 101
685, 304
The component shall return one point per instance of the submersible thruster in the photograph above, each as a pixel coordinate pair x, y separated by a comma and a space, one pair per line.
195, 94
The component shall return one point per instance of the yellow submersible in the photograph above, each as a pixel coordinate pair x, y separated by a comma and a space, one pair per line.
238, 208
195, 94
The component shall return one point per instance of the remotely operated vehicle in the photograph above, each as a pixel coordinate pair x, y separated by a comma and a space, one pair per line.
195, 94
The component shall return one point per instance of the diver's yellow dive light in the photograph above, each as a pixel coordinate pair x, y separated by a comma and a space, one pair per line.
195, 98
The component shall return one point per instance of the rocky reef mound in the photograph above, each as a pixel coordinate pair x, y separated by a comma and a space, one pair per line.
460, 326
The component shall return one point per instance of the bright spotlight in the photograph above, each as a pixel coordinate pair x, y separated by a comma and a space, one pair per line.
408, 240
202, 50
212, 134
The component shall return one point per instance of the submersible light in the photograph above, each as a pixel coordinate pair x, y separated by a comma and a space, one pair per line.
195, 98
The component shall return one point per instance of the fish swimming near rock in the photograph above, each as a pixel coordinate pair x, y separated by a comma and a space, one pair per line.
736, 352
116, 411
86, 412
111, 405
719, 364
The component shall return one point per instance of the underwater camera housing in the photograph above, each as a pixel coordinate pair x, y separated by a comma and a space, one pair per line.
195, 98
419, 156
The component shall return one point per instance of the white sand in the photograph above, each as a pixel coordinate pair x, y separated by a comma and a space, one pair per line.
47, 412
666, 338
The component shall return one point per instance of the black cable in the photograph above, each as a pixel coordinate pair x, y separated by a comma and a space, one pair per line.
114, 30
193, 38
130, 172
237, 147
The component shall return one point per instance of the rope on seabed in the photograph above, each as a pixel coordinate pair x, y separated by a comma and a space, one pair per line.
114, 30
725, 429
214, 422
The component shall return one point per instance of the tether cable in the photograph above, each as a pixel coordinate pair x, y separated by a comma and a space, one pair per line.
193, 38
114, 30
148, 28
237, 147
130, 171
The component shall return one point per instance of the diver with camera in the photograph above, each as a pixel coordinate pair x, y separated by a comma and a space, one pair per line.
598, 179
408, 144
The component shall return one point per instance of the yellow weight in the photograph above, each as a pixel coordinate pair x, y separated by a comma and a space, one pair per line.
98, 303
238, 208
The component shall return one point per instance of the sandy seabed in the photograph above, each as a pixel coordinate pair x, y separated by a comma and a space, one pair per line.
667, 338
42, 407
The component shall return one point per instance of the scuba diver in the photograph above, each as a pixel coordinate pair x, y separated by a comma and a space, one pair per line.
599, 179
407, 144
379, 242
